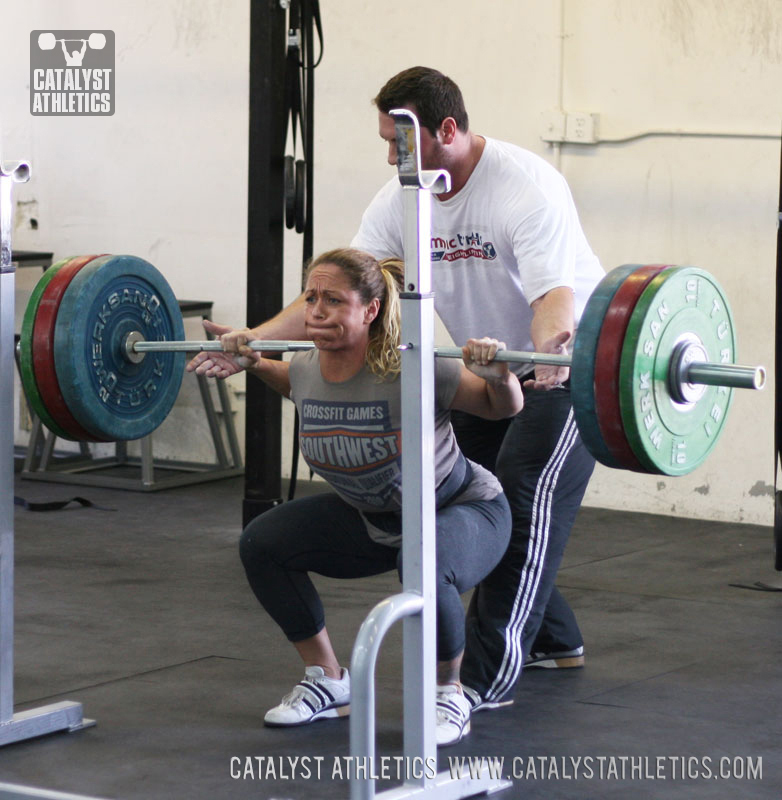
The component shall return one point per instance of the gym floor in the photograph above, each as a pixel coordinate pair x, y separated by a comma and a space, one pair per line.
142, 613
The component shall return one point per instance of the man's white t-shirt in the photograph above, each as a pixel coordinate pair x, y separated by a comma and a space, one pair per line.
504, 240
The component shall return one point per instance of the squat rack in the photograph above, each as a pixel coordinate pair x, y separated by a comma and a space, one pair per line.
416, 603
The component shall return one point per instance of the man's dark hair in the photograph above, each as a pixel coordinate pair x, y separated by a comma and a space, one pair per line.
433, 95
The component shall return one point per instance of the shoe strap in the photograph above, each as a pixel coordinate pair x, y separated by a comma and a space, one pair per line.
447, 710
309, 691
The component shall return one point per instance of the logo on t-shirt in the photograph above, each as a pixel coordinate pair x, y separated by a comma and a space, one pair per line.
354, 447
462, 246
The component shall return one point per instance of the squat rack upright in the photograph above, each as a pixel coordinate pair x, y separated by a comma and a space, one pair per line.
416, 603
66, 715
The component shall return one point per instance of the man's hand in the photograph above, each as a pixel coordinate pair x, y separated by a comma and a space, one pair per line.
478, 356
235, 358
549, 376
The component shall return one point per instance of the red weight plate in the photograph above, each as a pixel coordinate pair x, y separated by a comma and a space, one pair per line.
43, 350
607, 359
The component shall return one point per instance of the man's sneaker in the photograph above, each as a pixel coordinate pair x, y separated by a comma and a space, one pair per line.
564, 659
315, 697
477, 703
453, 715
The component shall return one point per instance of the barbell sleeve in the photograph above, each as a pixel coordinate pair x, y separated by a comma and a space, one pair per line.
734, 376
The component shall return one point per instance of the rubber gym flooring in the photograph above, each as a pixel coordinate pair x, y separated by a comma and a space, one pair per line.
142, 614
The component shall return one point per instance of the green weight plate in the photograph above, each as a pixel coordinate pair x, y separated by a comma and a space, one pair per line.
670, 436
26, 368
582, 370
110, 395
607, 359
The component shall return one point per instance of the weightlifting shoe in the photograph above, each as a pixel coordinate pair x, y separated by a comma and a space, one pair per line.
477, 703
315, 697
453, 715
563, 659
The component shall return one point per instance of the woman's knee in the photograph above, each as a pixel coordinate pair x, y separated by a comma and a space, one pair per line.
261, 541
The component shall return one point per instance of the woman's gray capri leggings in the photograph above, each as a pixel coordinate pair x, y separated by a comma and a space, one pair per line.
326, 535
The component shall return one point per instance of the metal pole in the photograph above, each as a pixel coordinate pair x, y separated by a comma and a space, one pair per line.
418, 516
6, 451
733, 375
362, 687
263, 406
418, 508
58, 716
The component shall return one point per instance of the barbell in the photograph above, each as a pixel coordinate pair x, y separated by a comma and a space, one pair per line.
47, 41
102, 356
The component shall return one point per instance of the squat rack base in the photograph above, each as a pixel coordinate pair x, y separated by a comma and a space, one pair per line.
97, 472
65, 716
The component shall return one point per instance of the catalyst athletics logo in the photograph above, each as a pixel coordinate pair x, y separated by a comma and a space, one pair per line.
72, 73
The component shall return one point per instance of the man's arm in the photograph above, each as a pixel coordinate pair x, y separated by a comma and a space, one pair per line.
552, 329
288, 325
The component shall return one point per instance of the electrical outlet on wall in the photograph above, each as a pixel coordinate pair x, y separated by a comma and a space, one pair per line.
578, 127
581, 127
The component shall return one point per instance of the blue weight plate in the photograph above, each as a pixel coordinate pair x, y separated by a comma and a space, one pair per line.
582, 370
109, 395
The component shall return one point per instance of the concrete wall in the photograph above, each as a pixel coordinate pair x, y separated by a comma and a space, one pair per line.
165, 177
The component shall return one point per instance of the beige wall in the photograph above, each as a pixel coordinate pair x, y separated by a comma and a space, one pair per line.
165, 177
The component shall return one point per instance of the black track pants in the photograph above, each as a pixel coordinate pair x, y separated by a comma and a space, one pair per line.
544, 468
